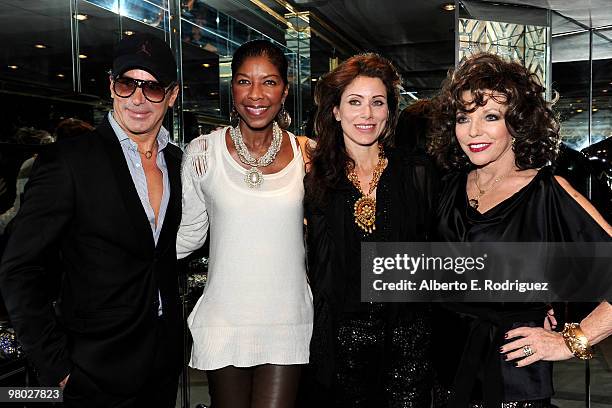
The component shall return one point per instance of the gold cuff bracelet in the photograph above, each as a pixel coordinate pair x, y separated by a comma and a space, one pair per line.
576, 341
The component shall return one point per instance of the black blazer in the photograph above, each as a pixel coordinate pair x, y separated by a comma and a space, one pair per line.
81, 200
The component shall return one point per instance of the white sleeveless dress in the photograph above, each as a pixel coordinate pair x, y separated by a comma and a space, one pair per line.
256, 307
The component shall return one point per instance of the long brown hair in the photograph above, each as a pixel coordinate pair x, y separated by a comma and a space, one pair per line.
329, 159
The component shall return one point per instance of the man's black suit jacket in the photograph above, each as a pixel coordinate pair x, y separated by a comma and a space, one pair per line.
81, 200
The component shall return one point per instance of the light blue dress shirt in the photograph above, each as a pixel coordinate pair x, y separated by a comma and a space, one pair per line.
134, 162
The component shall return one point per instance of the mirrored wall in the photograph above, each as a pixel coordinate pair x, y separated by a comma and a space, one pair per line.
57, 55
582, 78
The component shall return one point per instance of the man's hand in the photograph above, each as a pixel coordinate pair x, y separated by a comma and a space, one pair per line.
550, 323
62, 384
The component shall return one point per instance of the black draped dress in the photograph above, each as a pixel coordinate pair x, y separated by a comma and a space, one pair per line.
542, 211
368, 354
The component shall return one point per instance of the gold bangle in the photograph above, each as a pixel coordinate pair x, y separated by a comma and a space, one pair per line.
576, 341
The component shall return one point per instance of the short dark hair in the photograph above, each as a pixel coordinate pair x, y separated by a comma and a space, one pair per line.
528, 117
261, 48
71, 127
412, 126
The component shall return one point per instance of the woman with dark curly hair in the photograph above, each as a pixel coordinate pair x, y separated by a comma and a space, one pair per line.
494, 130
359, 189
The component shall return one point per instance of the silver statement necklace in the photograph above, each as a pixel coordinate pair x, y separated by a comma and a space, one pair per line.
254, 176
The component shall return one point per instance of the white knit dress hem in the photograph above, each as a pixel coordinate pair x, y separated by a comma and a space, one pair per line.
217, 346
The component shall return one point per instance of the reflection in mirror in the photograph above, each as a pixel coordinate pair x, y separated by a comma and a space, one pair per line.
570, 78
599, 153
36, 54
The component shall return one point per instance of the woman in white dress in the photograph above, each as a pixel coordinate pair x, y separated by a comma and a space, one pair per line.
252, 326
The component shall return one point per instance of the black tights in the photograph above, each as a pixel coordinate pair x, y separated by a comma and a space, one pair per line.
262, 386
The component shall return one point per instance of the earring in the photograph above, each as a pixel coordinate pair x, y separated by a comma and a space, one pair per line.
513, 142
234, 117
283, 118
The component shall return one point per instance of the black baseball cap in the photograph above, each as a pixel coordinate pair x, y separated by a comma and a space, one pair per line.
146, 52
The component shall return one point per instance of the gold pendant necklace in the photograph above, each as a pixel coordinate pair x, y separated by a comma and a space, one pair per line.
473, 202
148, 153
365, 206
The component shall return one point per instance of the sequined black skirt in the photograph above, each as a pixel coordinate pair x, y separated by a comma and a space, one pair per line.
519, 404
382, 364
442, 395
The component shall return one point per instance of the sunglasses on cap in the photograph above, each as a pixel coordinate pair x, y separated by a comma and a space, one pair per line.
153, 91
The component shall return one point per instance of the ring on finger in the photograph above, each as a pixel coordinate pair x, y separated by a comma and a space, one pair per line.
528, 351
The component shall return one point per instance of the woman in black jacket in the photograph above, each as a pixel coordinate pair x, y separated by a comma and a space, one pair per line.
359, 190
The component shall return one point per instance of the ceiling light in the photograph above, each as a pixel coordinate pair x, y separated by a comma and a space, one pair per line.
578, 110
82, 56
129, 32
595, 109
206, 65
314, 79
13, 66
604, 91
81, 17
40, 46
448, 7
213, 94
61, 75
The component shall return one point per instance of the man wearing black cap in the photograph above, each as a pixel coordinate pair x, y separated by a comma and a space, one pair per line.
110, 201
